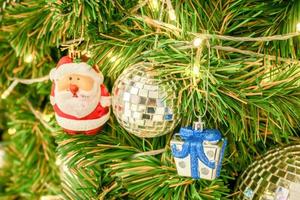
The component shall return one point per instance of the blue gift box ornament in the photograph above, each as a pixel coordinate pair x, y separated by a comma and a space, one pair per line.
194, 142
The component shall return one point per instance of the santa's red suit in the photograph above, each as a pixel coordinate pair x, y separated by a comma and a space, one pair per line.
93, 122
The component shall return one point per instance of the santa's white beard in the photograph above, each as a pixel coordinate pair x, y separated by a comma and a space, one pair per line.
79, 106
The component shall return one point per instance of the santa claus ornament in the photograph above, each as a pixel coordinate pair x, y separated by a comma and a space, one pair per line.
79, 97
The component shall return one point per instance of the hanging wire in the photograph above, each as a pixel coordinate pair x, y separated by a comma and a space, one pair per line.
205, 80
159, 18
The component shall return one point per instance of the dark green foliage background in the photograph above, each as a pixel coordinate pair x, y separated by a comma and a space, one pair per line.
253, 100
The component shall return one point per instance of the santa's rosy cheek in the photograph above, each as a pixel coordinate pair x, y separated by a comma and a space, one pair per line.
62, 85
85, 83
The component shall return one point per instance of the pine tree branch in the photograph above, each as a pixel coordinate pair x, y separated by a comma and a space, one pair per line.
39, 116
170, 27
149, 153
117, 163
254, 54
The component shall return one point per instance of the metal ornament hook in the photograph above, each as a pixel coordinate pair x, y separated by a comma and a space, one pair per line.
199, 125
74, 54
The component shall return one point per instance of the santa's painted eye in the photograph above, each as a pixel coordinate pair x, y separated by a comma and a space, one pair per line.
70, 78
78, 79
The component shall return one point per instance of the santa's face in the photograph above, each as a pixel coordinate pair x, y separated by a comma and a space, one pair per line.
76, 95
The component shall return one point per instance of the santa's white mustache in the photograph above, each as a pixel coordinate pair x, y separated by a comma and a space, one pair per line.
79, 106
79, 93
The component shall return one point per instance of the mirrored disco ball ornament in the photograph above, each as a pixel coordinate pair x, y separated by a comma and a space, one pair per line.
143, 104
276, 176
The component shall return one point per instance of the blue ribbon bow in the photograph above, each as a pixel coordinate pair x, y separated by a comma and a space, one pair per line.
193, 145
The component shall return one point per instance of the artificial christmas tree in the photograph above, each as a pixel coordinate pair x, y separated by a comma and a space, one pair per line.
235, 64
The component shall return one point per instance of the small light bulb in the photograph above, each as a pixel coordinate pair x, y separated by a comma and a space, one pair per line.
58, 161
12, 131
113, 59
196, 70
155, 4
2, 160
197, 42
28, 58
298, 27
172, 15
88, 53
47, 118
51, 197
4, 95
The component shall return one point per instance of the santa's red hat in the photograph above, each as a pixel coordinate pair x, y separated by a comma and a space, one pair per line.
67, 66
